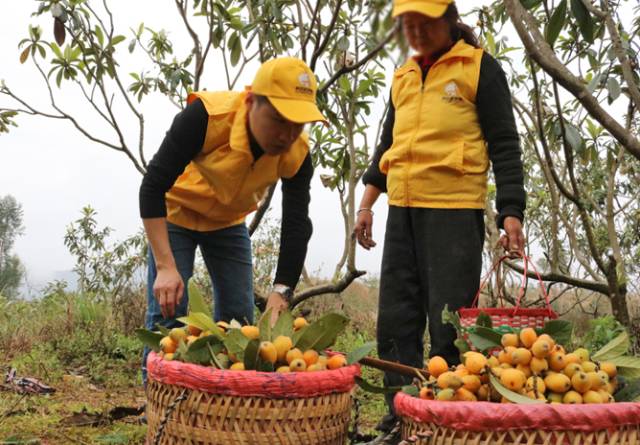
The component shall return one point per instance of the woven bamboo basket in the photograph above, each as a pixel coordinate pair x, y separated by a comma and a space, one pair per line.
427, 422
190, 404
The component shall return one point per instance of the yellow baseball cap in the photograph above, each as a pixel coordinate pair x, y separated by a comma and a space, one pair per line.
291, 88
430, 8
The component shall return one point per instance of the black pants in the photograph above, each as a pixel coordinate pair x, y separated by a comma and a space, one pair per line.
431, 258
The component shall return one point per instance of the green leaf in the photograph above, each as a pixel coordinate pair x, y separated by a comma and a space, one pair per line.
488, 334
202, 321
196, 300
220, 360
484, 320
362, 383
203, 350
628, 366
235, 47
357, 354
252, 354
530, 4
284, 325
510, 395
322, 333
56, 50
462, 345
574, 137
556, 23
149, 338
615, 348
584, 19
559, 330
117, 39
100, 35
629, 392
481, 343
343, 43
236, 343
452, 318
264, 325
163, 330
614, 88
411, 390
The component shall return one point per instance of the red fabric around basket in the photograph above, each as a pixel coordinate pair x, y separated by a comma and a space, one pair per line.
251, 383
486, 416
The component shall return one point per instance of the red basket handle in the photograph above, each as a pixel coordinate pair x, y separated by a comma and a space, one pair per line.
526, 263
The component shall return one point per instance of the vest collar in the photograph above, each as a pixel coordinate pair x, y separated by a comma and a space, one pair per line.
460, 49
239, 136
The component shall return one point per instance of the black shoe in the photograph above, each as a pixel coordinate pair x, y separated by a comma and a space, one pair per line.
392, 437
387, 423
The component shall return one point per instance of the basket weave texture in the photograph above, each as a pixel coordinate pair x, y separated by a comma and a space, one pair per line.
516, 317
247, 407
467, 423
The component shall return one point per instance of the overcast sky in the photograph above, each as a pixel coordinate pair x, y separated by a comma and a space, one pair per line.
53, 171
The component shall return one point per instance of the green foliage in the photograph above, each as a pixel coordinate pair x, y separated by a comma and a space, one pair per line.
104, 270
11, 270
357, 354
484, 339
601, 331
560, 330
265, 246
556, 23
322, 333
6, 119
578, 238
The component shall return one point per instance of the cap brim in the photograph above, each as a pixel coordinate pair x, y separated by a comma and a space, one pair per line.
429, 9
298, 111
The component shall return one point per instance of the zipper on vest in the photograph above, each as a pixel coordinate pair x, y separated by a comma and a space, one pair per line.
413, 138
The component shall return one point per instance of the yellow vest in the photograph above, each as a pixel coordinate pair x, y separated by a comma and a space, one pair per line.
223, 184
438, 157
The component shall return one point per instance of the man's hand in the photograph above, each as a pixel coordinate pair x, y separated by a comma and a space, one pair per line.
168, 290
362, 229
277, 304
513, 240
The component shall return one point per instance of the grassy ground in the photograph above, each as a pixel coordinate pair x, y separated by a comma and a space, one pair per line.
80, 350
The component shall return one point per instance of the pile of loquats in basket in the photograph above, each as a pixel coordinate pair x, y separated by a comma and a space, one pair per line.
529, 365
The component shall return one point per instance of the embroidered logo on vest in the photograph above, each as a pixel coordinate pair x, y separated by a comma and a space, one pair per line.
451, 93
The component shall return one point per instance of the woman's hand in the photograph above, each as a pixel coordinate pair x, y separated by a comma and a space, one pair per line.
513, 240
362, 229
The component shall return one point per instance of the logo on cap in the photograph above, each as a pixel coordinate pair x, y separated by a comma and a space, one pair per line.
305, 84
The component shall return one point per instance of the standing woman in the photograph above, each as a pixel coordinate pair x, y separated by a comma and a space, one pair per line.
450, 115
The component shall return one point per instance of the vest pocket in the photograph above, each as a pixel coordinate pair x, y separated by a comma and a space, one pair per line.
475, 157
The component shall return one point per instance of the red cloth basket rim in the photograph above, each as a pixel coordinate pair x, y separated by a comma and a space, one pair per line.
488, 416
271, 385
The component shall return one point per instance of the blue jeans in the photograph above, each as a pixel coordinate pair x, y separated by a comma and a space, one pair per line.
227, 256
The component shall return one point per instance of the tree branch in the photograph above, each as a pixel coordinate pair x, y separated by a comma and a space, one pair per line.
538, 48
320, 49
600, 287
331, 288
262, 210
347, 69
314, 17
